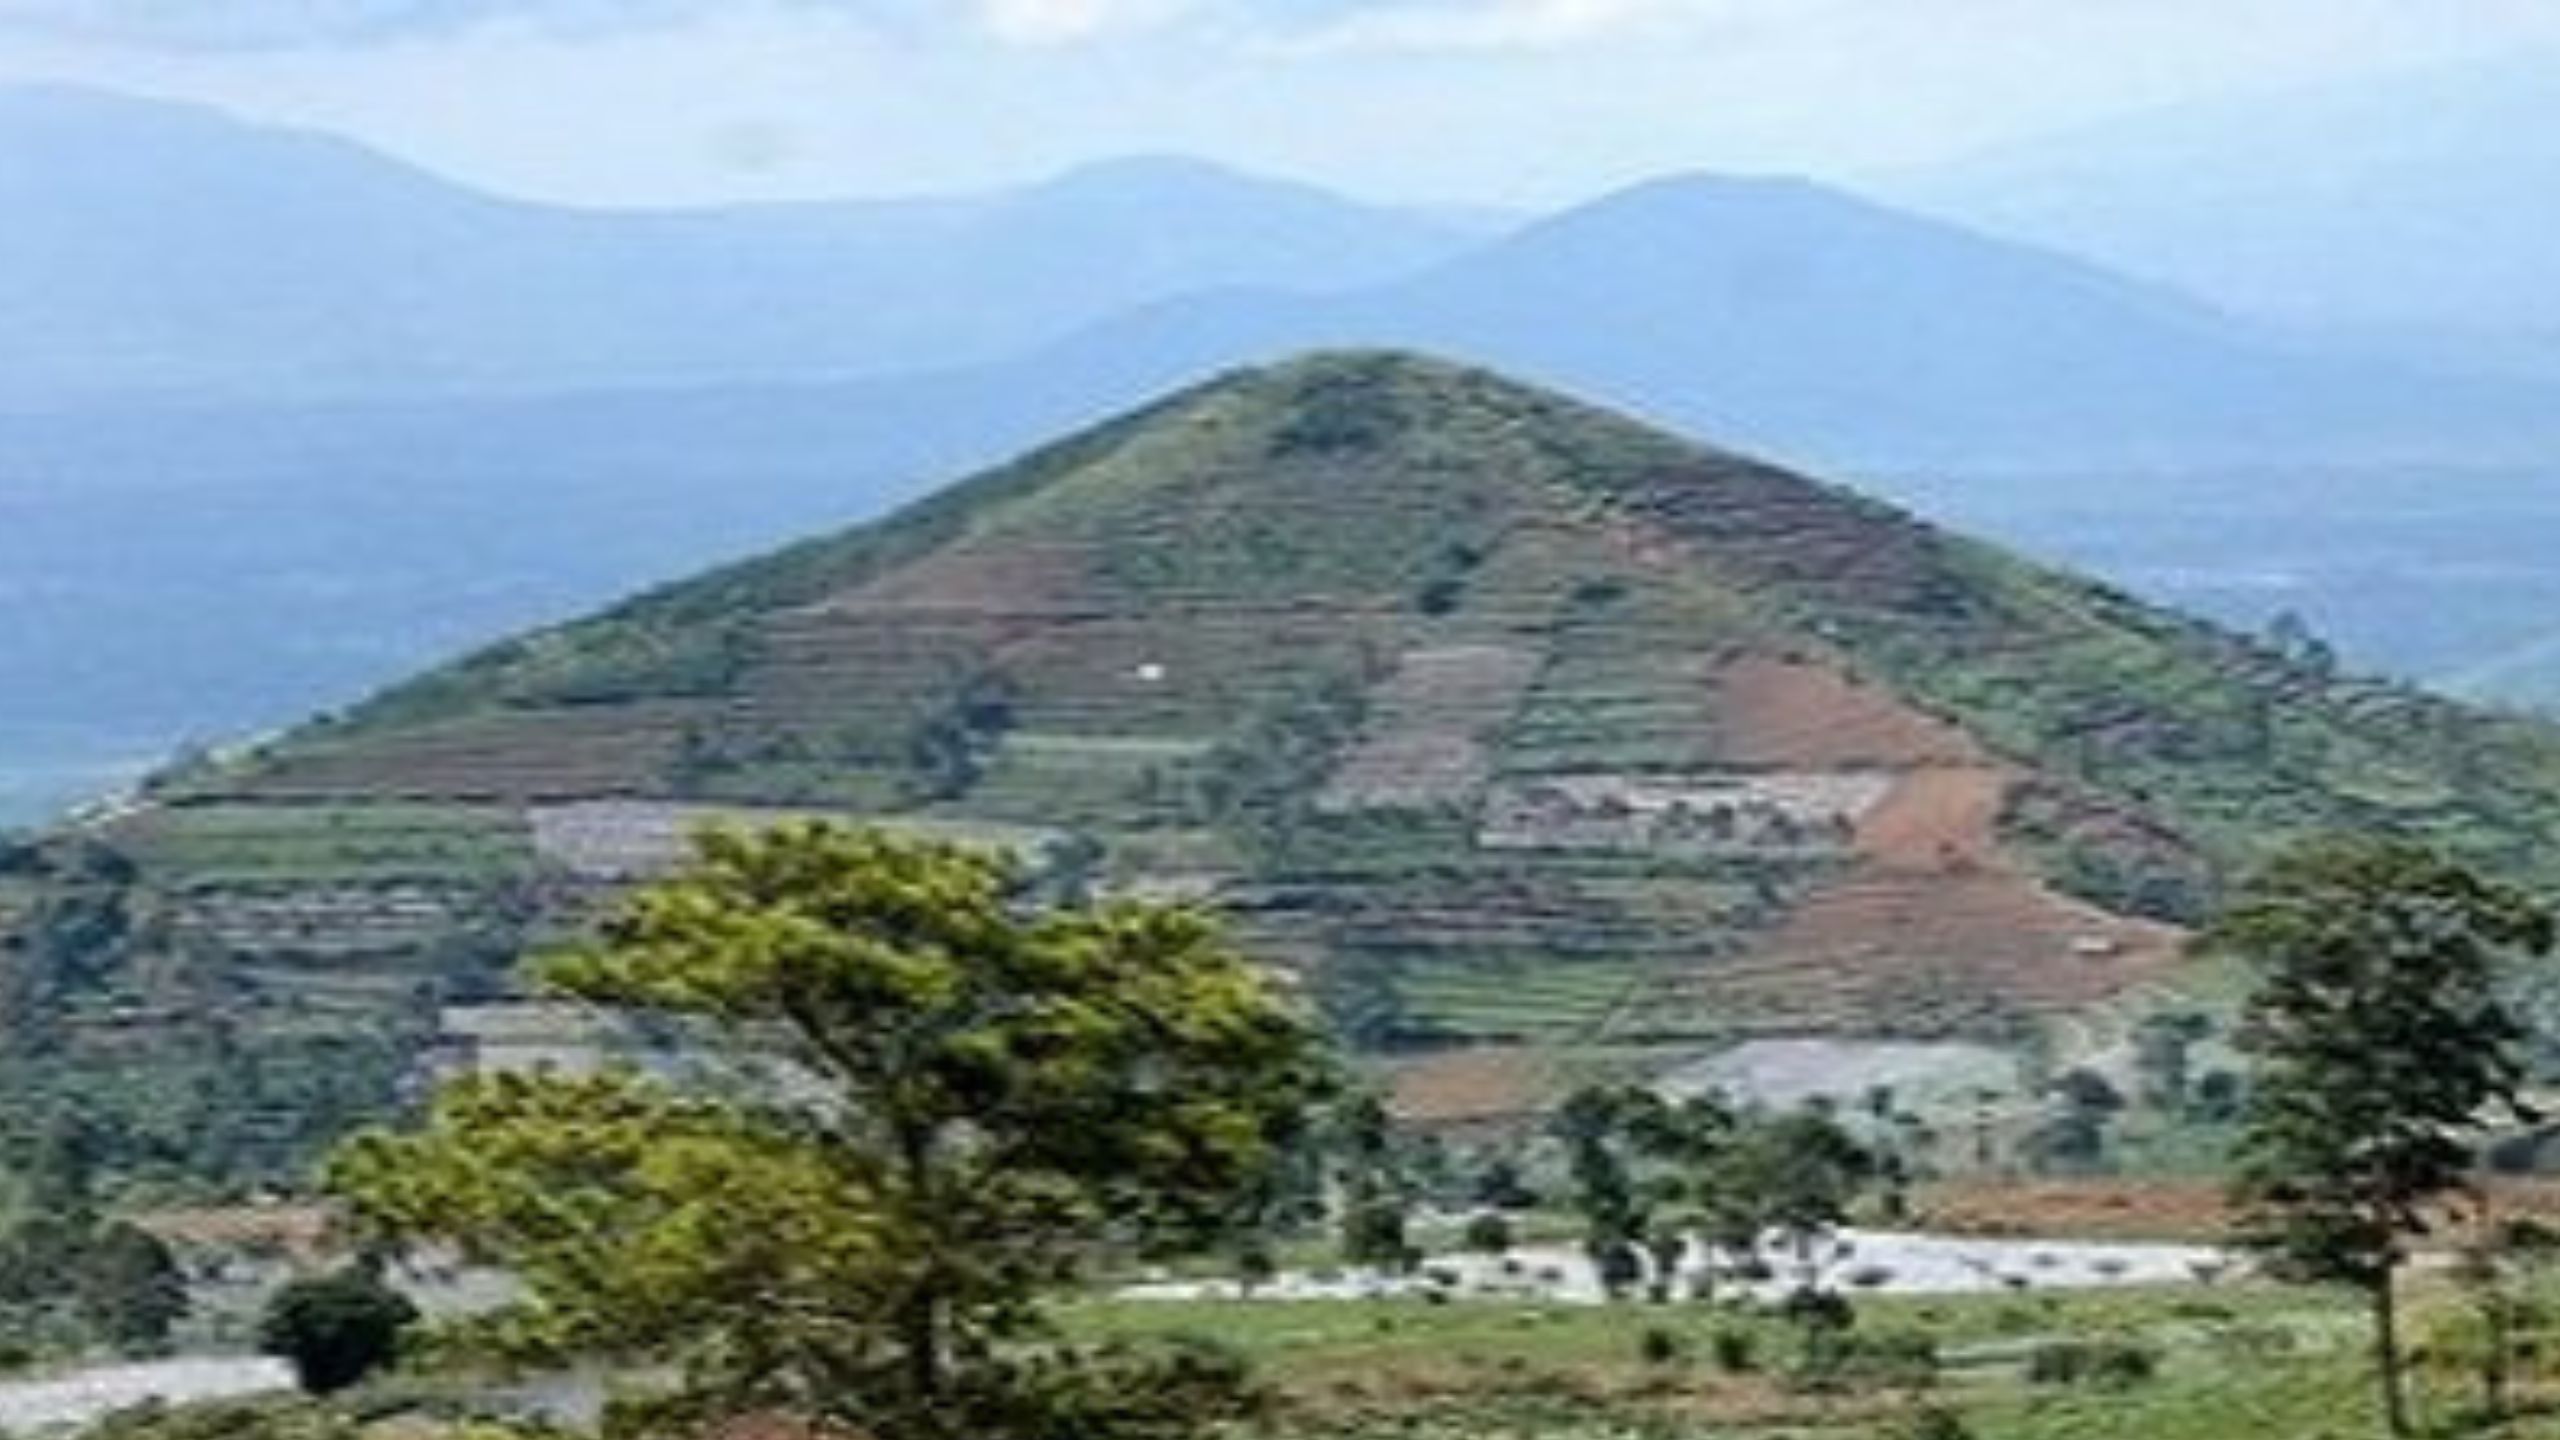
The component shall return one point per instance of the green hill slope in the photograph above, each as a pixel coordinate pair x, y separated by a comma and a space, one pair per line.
1498, 716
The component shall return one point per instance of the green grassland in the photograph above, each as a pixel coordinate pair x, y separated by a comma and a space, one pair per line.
2229, 1361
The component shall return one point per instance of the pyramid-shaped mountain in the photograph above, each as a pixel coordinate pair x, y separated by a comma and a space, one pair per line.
1497, 717
1501, 716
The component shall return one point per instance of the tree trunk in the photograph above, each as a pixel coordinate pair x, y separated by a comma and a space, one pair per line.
920, 1319
2498, 1321
922, 1327
2386, 1356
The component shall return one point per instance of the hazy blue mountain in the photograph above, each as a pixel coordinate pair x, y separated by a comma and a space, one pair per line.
2425, 199
170, 250
1802, 320
198, 571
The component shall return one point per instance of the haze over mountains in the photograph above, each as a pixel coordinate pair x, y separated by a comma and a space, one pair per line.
280, 417
2413, 201
170, 251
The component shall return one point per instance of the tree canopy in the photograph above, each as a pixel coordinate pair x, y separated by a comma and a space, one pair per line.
2381, 1043
948, 1102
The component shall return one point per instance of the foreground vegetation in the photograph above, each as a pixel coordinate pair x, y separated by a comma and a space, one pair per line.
2224, 1363
910, 1123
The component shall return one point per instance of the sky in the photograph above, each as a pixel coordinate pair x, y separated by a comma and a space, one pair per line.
1497, 102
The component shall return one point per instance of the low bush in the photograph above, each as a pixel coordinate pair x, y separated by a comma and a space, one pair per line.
2105, 1364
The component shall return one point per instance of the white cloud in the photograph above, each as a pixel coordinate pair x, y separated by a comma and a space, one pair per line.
1440, 25
1066, 22
250, 25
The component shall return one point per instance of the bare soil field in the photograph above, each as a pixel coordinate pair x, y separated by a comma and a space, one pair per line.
2102, 1208
2148, 1208
1787, 714
1879, 939
1459, 1087
1936, 819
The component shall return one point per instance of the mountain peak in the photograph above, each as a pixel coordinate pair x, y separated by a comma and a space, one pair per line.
1441, 685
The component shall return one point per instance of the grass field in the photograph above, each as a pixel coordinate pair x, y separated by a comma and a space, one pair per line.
1554, 1003
2229, 1363
392, 840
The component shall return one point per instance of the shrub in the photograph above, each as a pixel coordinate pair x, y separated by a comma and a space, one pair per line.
1659, 1346
2108, 1364
1736, 1352
1488, 1234
337, 1329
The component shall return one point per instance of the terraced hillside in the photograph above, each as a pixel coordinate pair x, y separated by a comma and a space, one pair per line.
1499, 717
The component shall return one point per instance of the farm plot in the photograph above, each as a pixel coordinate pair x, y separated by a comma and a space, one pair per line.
1547, 1004
1785, 814
1476, 1085
1426, 741
499, 756
1627, 688
322, 921
222, 845
1794, 714
1094, 782
627, 839
1879, 952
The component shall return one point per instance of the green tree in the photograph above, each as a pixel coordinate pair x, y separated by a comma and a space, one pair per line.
1489, 1233
336, 1329
1800, 1173
2379, 1045
2162, 1047
1591, 1124
1373, 1193
1648, 1175
1684, 1179
129, 1287
960, 1104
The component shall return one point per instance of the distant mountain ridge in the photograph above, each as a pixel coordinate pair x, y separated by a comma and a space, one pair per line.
196, 563
169, 251
1803, 320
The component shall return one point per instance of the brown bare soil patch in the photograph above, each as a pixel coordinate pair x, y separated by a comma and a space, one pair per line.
1460, 1087
299, 1230
1938, 819
2116, 1208
2099, 1209
1921, 953
1937, 930
1789, 714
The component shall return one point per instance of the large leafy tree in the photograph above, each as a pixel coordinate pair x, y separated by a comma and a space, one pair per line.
1650, 1174
944, 1104
2380, 1044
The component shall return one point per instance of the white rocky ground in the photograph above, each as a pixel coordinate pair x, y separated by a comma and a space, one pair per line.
79, 1397
1853, 1261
